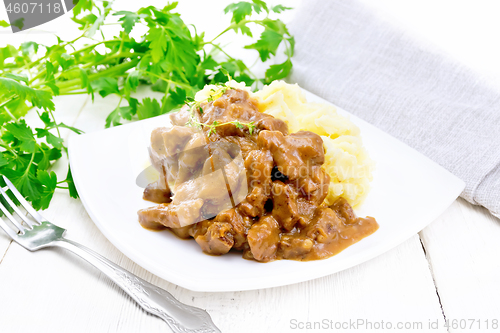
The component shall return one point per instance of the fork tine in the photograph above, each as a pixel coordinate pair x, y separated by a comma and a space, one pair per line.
8, 229
12, 219
23, 201
14, 207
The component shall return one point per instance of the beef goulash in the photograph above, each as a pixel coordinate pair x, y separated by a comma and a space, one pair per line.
246, 184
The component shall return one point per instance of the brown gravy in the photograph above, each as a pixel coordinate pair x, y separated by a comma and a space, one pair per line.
283, 215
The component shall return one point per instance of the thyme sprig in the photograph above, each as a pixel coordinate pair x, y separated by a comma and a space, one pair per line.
213, 127
196, 110
153, 47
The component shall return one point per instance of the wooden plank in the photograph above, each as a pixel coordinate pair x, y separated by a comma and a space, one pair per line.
4, 245
61, 280
396, 287
63, 289
463, 247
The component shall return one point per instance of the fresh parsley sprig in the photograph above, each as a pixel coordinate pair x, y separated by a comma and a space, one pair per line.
171, 57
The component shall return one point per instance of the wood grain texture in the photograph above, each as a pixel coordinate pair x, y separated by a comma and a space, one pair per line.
396, 286
4, 245
55, 291
463, 248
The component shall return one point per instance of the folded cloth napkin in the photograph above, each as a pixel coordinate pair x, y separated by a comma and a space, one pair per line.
349, 56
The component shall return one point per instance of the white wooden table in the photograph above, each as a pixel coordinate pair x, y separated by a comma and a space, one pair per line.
450, 270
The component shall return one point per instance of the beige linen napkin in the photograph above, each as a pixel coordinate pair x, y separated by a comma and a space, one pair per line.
354, 59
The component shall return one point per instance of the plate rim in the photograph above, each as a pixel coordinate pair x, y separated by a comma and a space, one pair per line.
190, 283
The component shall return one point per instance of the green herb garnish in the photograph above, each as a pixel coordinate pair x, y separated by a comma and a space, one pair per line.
170, 57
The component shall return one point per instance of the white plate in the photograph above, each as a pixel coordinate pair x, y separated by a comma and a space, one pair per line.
409, 192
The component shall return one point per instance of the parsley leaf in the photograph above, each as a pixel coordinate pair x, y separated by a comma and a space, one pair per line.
259, 6
55, 141
38, 98
149, 108
169, 56
3, 160
158, 44
25, 138
105, 86
240, 10
279, 8
71, 185
129, 19
279, 71
267, 44
17, 77
48, 186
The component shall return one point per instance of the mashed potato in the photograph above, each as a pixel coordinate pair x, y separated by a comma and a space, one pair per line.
346, 160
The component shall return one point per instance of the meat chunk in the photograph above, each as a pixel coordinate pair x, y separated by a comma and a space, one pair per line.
261, 192
245, 143
309, 145
285, 205
293, 154
181, 117
182, 232
236, 104
155, 194
344, 211
217, 240
324, 227
263, 238
259, 165
295, 246
188, 163
315, 186
172, 215
176, 138
272, 124
178, 152
199, 228
149, 222
158, 191
235, 174
306, 211
240, 225
157, 152
299, 157
298, 148
203, 178
209, 190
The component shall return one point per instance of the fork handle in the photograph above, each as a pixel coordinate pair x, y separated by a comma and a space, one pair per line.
181, 318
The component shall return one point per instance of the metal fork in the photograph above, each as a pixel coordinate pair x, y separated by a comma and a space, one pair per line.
35, 236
